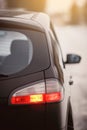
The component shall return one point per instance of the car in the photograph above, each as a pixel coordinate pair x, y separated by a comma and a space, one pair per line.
33, 90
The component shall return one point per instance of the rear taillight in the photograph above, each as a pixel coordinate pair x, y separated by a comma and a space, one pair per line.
43, 92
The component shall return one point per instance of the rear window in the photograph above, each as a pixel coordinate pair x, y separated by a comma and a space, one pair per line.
22, 51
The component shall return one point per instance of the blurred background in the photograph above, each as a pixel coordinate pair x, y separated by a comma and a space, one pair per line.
70, 20
62, 12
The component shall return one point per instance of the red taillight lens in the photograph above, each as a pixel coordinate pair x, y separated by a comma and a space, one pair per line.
20, 100
53, 97
28, 99
39, 93
34, 99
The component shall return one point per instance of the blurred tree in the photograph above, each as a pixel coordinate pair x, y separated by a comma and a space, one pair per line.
74, 13
35, 5
85, 12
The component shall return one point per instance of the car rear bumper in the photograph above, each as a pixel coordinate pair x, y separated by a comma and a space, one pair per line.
22, 118
35, 117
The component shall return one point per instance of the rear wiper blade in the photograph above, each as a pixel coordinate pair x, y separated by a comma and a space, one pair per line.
2, 75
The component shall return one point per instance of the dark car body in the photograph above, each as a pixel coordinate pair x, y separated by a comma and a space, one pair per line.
31, 68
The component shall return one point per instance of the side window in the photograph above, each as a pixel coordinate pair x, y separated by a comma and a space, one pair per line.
57, 46
57, 57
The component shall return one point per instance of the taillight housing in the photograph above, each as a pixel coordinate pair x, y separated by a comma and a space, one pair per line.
42, 92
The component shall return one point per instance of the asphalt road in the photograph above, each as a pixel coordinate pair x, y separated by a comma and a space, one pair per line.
73, 39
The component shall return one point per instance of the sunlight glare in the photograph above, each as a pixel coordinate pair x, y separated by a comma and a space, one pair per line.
58, 5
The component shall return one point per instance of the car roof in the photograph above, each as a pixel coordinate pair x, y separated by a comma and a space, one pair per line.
37, 20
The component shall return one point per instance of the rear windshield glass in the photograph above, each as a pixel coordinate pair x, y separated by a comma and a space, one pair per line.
22, 51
